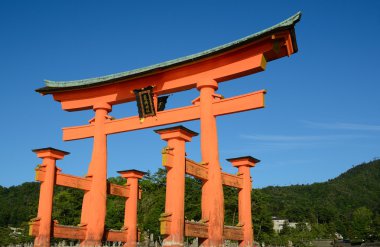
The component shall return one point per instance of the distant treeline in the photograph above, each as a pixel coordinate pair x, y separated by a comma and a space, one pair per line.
348, 204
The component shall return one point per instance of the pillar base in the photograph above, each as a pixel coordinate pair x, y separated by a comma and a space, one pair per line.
91, 243
42, 241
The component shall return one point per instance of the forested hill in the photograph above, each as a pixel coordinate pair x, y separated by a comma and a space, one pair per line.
328, 201
338, 205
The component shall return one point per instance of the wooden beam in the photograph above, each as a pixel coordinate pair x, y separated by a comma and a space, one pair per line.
115, 235
233, 233
196, 170
232, 180
118, 190
81, 183
221, 68
196, 229
70, 232
201, 172
76, 232
73, 181
200, 230
250, 101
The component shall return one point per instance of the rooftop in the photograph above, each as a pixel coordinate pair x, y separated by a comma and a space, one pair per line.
58, 86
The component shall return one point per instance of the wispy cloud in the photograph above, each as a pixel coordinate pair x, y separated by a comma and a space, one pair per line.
296, 142
298, 138
343, 126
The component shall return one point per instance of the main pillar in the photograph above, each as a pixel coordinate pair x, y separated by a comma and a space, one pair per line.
130, 215
94, 206
212, 189
245, 215
45, 204
175, 182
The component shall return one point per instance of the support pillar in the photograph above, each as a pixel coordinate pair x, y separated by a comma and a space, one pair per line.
45, 204
130, 215
245, 215
212, 189
94, 203
175, 182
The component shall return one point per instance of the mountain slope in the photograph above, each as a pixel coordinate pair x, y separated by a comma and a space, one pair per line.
325, 202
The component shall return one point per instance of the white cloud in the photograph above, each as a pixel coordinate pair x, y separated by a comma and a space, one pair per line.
343, 126
299, 138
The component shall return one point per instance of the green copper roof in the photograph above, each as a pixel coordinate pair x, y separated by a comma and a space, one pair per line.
56, 86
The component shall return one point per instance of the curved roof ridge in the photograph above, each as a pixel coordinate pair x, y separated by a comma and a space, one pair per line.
291, 21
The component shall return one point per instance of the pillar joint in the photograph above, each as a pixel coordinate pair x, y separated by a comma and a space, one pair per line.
102, 105
207, 83
50, 152
244, 161
131, 174
177, 132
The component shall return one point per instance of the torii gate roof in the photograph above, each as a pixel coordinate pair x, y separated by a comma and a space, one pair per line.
53, 87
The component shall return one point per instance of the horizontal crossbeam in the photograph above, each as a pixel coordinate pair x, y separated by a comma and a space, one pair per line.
200, 230
201, 172
76, 232
81, 183
232, 180
196, 170
246, 102
233, 65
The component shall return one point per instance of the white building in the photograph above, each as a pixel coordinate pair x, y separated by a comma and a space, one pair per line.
278, 224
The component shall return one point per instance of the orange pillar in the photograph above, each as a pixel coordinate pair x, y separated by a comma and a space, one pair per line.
94, 208
175, 182
130, 215
45, 204
212, 190
245, 216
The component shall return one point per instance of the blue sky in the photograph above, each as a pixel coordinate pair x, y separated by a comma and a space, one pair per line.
322, 106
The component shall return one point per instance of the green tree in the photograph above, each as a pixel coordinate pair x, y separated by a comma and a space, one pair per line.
261, 216
67, 206
361, 224
152, 204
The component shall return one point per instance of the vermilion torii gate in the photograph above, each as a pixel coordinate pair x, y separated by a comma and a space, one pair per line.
203, 71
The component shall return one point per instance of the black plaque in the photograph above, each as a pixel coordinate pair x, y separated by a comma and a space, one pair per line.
161, 103
145, 103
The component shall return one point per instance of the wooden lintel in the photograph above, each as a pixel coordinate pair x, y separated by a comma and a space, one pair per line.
118, 190
232, 180
195, 169
201, 172
76, 232
60, 231
114, 235
73, 181
167, 159
233, 65
250, 101
200, 230
196, 229
70, 232
66, 180
82, 183
233, 233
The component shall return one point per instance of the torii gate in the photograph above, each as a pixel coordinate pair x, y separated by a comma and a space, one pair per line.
203, 71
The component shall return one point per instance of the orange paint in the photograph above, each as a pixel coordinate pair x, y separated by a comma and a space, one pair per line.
204, 72
94, 202
175, 182
245, 218
221, 68
212, 190
45, 204
130, 215
245, 102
